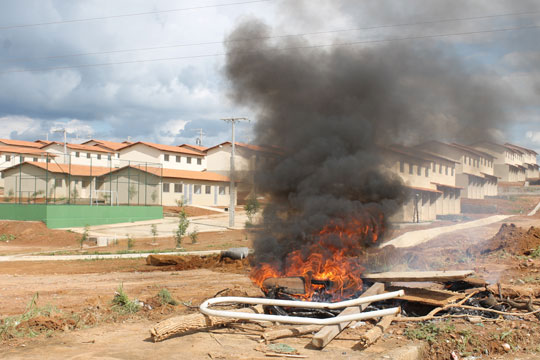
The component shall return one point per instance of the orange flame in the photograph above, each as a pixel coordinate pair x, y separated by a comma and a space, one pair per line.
332, 257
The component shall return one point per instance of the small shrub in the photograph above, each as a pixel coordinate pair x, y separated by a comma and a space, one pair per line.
7, 237
153, 230
122, 304
194, 236
130, 242
165, 297
84, 236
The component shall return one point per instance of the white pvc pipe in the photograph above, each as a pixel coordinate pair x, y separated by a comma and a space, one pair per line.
303, 304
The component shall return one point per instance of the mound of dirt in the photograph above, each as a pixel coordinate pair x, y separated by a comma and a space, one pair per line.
189, 262
514, 240
30, 233
40, 324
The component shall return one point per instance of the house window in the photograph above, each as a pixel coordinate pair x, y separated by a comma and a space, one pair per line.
77, 154
85, 183
178, 159
8, 157
189, 160
177, 188
58, 182
207, 189
446, 170
99, 156
411, 169
166, 157
88, 155
109, 157
401, 166
427, 171
35, 159
434, 167
197, 189
470, 161
166, 187
419, 170
199, 161
440, 168
222, 190
452, 171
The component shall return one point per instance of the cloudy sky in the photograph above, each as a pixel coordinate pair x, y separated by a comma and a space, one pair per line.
157, 75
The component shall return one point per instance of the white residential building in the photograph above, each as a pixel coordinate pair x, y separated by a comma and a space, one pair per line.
170, 157
82, 154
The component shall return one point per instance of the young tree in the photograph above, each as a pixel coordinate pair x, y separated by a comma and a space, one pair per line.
252, 207
183, 223
153, 230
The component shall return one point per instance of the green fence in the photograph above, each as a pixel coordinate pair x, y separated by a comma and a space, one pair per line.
62, 216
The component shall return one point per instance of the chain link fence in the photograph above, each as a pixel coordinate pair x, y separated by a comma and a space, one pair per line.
71, 179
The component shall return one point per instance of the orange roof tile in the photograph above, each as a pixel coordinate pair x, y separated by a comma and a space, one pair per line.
108, 144
22, 143
195, 147
167, 148
74, 170
23, 150
95, 148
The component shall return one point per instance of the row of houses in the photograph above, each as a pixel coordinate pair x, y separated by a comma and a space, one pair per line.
438, 174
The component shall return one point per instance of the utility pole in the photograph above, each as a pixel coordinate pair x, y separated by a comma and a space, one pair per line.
63, 130
232, 188
198, 141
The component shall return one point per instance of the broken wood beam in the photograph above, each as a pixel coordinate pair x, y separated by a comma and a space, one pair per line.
374, 334
290, 332
428, 296
329, 332
419, 276
291, 285
192, 322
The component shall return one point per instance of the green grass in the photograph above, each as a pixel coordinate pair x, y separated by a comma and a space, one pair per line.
7, 237
428, 331
165, 297
122, 304
9, 326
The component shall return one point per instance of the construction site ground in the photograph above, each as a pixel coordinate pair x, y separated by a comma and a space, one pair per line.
74, 318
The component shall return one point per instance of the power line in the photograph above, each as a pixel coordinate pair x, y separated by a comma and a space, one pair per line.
352, 43
130, 15
270, 37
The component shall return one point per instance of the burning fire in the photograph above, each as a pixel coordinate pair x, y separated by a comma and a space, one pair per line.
330, 265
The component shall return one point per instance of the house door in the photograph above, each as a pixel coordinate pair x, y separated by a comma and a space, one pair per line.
190, 194
215, 194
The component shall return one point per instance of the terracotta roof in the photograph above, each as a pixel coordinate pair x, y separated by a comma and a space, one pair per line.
195, 147
94, 148
424, 189
22, 143
521, 148
478, 176
257, 148
74, 170
181, 174
472, 150
108, 144
407, 151
448, 186
167, 148
23, 150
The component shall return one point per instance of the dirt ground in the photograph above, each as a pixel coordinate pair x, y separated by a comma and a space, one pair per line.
76, 319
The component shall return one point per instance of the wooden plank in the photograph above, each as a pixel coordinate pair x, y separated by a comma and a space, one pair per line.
290, 332
418, 276
427, 296
329, 332
374, 334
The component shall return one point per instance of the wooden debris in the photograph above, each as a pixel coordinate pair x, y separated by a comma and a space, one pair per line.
193, 322
329, 332
372, 335
290, 332
428, 296
290, 285
419, 276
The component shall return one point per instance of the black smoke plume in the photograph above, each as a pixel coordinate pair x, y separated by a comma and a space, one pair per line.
331, 109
